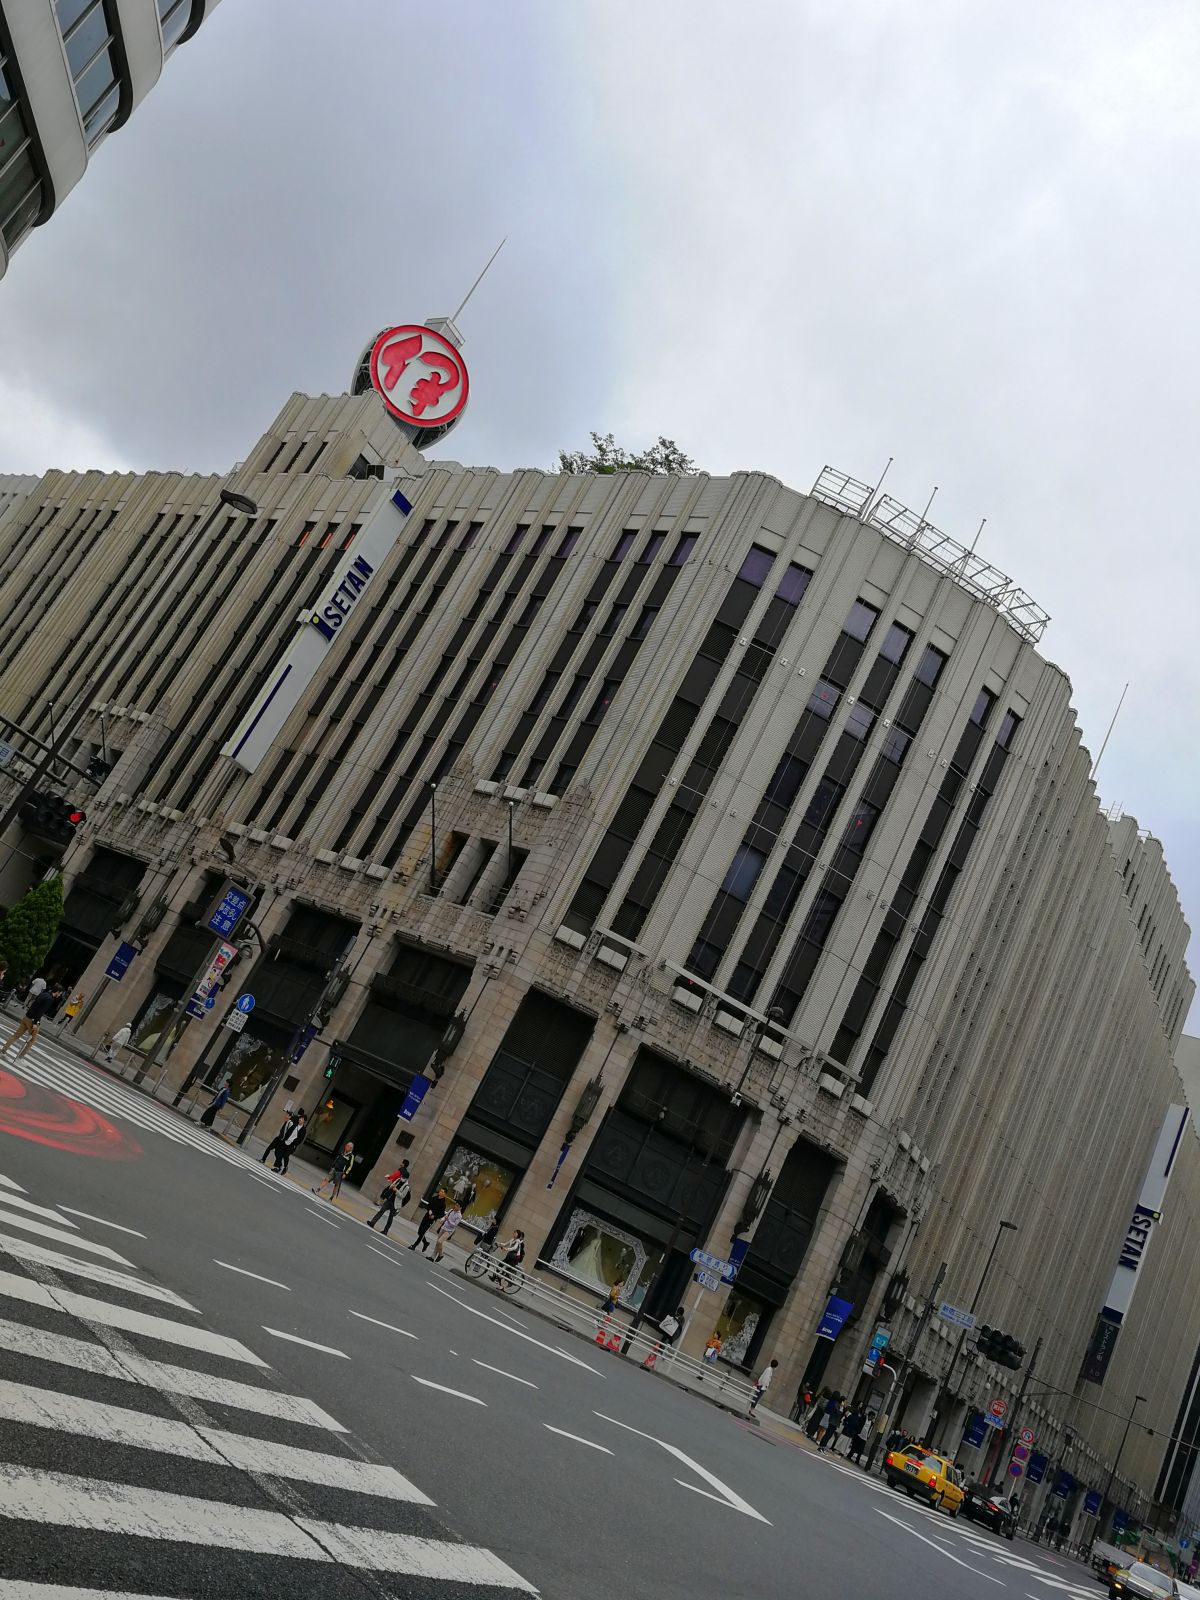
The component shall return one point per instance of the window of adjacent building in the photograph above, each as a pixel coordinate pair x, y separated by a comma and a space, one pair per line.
683, 549
570, 540
469, 538
785, 781
824, 699
88, 39
756, 567
614, 619
21, 191
602, 701
823, 803
895, 745
644, 622
529, 610
653, 545
623, 545
861, 620
540, 543
860, 721
174, 15
793, 584
981, 710
895, 644
858, 828
820, 919
1009, 724
586, 612
572, 697
929, 668
514, 541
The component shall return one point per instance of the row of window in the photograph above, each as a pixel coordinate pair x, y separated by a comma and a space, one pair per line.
91, 45
22, 190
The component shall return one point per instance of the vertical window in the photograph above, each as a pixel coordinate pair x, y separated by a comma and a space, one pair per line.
860, 721
614, 618
743, 872
623, 545
858, 829
820, 919
469, 538
174, 15
602, 701
88, 39
982, 708
683, 549
510, 549
822, 702
756, 567
644, 622
793, 584
1009, 724
570, 540
823, 803
653, 545
929, 668
540, 543
861, 620
895, 644
586, 612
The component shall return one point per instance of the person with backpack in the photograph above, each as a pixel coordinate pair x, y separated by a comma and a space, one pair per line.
395, 1192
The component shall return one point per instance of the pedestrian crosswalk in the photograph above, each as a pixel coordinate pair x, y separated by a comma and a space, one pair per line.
50, 1066
159, 1457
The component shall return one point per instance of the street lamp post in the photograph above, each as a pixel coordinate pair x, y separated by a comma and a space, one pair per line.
944, 1391
1137, 1401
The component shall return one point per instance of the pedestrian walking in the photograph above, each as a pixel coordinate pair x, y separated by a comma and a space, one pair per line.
446, 1230
613, 1298
858, 1438
395, 1192
712, 1348
833, 1417
763, 1384
112, 1044
74, 1006
38, 1007
435, 1210
851, 1424
813, 1426
293, 1141
274, 1150
339, 1168
217, 1103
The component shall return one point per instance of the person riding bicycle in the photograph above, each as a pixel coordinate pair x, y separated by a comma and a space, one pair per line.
513, 1250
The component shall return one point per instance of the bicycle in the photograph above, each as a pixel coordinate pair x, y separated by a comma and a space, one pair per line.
483, 1259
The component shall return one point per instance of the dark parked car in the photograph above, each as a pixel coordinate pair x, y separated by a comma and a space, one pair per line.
995, 1510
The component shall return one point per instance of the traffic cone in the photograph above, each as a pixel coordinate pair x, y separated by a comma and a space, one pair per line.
651, 1358
602, 1330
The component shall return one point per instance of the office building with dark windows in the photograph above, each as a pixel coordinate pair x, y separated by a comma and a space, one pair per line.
725, 857
71, 71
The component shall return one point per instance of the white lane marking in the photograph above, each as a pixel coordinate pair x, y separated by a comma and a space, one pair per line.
391, 1328
7, 1183
563, 1434
516, 1332
14, 1589
388, 1255
92, 1419
724, 1496
70, 1241
504, 1374
511, 1318
311, 1344
85, 1269
103, 1221
60, 1499
85, 1356
427, 1383
322, 1217
14, 1202
124, 1317
246, 1273
933, 1545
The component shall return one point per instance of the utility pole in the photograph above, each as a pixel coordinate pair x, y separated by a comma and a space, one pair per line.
1137, 1401
943, 1394
902, 1366
1011, 1426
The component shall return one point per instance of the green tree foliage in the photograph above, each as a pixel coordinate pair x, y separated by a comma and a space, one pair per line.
28, 930
606, 456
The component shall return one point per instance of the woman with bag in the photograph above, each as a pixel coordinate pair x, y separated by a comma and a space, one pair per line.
395, 1191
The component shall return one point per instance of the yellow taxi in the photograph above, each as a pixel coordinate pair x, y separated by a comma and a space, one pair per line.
923, 1472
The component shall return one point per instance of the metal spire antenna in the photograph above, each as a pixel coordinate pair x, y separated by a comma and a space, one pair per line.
1111, 726
481, 276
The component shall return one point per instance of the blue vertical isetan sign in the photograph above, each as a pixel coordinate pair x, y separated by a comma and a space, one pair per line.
833, 1318
976, 1429
418, 1089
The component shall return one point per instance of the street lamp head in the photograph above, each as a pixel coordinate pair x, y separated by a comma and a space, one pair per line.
1011, 1225
238, 502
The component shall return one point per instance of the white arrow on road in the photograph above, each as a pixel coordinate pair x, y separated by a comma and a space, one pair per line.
725, 1496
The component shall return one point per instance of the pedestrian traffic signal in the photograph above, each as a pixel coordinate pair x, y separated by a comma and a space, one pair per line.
1002, 1348
51, 817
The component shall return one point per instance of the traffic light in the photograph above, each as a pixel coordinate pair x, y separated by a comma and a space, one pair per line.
51, 817
1002, 1348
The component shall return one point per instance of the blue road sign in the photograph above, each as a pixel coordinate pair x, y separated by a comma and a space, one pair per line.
232, 908
195, 1008
303, 1042
119, 965
245, 1002
1183, 1543
701, 1258
881, 1338
738, 1252
210, 1002
833, 1319
419, 1088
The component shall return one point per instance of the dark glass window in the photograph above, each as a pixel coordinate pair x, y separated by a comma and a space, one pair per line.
743, 872
756, 566
570, 540
860, 721
704, 959
785, 783
683, 549
529, 610
1009, 724
614, 619
586, 612
573, 695
895, 745
823, 803
514, 541
175, 16
545, 690
793, 584
861, 620
653, 545
540, 543
623, 546
820, 919
929, 668
645, 622
469, 538
784, 892
895, 644
982, 708
858, 829
603, 700
824, 699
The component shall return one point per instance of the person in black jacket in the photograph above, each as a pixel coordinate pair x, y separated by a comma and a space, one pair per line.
395, 1190
44, 1004
435, 1210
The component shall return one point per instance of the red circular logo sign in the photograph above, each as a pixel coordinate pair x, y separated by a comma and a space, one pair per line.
999, 1408
420, 375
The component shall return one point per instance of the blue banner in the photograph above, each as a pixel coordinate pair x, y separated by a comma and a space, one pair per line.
1092, 1501
834, 1317
419, 1088
1036, 1470
976, 1429
119, 965
1120, 1519
1063, 1485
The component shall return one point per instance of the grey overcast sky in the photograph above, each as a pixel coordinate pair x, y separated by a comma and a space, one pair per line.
962, 233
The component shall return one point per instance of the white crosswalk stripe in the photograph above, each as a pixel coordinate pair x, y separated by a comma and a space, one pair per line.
129, 1466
